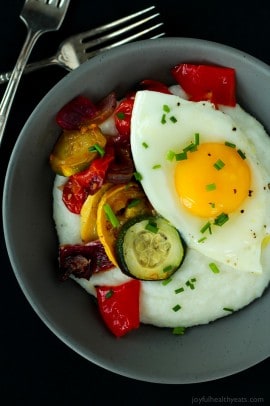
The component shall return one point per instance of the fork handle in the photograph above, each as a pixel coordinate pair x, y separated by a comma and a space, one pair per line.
13, 83
30, 67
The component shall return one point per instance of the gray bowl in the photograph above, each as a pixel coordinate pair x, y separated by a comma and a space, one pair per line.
150, 354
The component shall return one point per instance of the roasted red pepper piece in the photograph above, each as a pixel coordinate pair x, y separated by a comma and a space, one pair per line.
207, 82
155, 86
93, 177
89, 181
122, 116
119, 306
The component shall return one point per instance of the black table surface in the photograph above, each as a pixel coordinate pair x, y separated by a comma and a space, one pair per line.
36, 367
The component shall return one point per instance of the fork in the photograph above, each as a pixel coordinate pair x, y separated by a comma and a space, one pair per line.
81, 47
39, 16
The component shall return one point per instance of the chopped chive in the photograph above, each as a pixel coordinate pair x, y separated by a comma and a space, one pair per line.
173, 119
168, 268
121, 115
109, 294
230, 144
202, 239
191, 147
166, 281
181, 156
228, 309
138, 176
214, 268
166, 108
110, 215
152, 227
241, 153
190, 284
210, 187
213, 205
170, 155
156, 166
179, 290
221, 219
163, 119
193, 280
197, 138
97, 148
145, 145
133, 203
179, 330
206, 227
176, 308
219, 164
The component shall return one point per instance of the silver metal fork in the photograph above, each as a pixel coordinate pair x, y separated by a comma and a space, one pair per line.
39, 16
81, 47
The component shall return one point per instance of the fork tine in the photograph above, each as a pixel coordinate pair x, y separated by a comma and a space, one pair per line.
126, 40
109, 26
100, 40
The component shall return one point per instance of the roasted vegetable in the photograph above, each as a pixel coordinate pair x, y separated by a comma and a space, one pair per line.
119, 306
117, 205
149, 248
73, 150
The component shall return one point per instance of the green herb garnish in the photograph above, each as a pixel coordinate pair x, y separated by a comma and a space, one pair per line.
228, 309
152, 227
210, 187
214, 268
166, 108
173, 119
176, 308
133, 203
110, 215
121, 115
137, 176
167, 268
219, 164
181, 156
241, 153
221, 219
109, 294
179, 330
97, 148
206, 227
166, 281
179, 290
163, 119
230, 144
170, 155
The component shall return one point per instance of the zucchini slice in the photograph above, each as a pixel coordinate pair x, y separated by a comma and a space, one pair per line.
149, 248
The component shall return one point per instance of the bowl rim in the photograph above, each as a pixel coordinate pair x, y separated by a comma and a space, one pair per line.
72, 77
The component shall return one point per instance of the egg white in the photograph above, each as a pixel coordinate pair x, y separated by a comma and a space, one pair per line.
237, 242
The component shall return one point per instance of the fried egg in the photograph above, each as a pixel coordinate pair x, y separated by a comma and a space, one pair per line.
204, 174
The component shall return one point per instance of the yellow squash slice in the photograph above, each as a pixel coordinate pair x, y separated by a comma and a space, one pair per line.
89, 215
124, 202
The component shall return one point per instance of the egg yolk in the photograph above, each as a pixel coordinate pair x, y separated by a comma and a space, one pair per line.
214, 179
